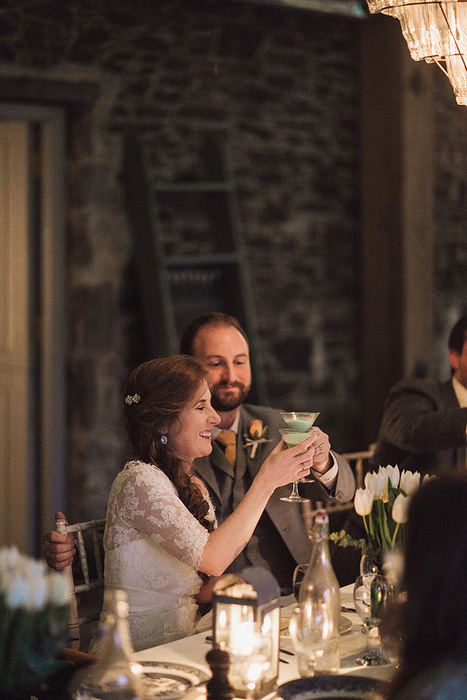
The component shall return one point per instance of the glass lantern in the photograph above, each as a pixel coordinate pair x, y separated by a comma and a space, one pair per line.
243, 613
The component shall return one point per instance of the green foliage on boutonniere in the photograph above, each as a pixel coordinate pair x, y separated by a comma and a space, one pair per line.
255, 436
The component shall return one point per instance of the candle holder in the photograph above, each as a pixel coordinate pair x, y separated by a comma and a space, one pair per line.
246, 621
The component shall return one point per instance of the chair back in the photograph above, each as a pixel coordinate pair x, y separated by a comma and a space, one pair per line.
359, 463
84, 576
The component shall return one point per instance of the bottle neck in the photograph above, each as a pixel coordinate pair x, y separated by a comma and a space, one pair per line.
321, 538
115, 631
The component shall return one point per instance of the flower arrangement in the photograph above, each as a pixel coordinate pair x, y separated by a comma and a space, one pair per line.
255, 436
383, 504
34, 611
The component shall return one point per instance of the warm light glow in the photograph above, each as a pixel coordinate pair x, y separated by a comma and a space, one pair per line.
434, 32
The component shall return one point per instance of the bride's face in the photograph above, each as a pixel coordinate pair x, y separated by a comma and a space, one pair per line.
190, 435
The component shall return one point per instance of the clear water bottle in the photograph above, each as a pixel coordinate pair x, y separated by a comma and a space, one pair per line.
112, 676
314, 625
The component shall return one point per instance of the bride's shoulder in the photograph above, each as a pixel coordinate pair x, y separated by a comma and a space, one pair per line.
143, 471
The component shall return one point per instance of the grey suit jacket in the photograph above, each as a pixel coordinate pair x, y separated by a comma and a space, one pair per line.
286, 517
423, 428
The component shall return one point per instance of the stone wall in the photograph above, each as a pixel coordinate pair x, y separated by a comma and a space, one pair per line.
281, 88
450, 217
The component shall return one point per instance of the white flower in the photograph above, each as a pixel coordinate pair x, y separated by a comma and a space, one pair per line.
16, 594
370, 480
37, 594
393, 475
380, 483
363, 501
410, 481
400, 508
58, 588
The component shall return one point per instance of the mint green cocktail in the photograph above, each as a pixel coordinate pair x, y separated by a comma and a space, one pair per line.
301, 421
292, 438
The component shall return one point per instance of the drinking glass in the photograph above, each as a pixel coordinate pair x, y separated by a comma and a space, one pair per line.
301, 421
362, 599
298, 576
315, 639
293, 437
373, 603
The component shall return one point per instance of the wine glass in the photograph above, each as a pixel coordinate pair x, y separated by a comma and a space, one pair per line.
250, 656
374, 603
301, 421
298, 576
315, 639
291, 438
362, 599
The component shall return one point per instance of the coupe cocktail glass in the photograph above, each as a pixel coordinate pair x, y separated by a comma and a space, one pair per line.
292, 438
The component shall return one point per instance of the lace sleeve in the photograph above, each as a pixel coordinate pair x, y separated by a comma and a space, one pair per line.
148, 502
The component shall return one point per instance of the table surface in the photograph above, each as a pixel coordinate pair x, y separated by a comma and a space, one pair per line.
192, 650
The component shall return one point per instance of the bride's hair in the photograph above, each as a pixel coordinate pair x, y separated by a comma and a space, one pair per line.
155, 394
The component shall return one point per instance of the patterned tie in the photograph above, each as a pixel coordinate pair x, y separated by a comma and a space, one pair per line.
228, 438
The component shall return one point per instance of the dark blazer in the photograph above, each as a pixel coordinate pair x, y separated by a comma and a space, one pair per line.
422, 429
286, 517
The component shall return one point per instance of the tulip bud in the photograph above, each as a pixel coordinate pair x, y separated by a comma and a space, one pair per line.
410, 481
363, 501
400, 509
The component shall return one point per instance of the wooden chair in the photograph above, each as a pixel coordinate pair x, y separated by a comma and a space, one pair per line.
84, 576
359, 462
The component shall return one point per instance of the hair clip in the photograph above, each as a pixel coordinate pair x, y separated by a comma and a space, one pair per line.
132, 399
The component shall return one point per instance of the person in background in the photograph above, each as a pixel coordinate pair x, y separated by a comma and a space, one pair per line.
280, 540
433, 664
424, 423
161, 538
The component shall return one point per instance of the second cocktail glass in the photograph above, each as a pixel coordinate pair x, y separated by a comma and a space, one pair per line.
292, 438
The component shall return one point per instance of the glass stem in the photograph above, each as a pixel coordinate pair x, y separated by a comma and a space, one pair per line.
295, 489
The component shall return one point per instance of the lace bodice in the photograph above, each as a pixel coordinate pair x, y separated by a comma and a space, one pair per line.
143, 502
153, 547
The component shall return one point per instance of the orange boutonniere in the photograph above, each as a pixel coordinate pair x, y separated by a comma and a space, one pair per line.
256, 435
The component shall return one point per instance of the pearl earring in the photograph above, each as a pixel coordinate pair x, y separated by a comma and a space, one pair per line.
164, 439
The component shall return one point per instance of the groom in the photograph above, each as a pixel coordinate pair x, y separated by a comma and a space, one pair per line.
280, 540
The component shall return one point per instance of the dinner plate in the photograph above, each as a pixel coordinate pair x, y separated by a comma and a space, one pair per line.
334, 688
344, 624
168, 680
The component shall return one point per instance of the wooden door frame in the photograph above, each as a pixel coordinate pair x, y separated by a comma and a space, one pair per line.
48, 468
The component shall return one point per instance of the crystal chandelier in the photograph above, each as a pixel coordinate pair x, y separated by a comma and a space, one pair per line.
435, 32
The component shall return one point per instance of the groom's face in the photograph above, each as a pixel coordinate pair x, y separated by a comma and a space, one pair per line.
225, 355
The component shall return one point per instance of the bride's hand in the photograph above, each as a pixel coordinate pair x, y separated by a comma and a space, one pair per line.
285, 465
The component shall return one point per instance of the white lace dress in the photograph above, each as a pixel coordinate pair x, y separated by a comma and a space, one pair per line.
153, 547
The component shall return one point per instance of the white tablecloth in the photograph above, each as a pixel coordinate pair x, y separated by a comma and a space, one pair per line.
192, 650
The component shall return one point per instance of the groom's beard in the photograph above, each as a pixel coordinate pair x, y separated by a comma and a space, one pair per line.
227, 396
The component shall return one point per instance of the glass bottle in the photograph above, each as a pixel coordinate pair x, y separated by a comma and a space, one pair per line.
316, 621
112, 676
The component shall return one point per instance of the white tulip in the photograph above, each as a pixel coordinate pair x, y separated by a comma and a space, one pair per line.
16, 595
380, 483
370, 480
363, 501
410, 481
400, 508
393, 475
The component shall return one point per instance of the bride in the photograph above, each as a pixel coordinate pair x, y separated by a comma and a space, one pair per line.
162, 544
